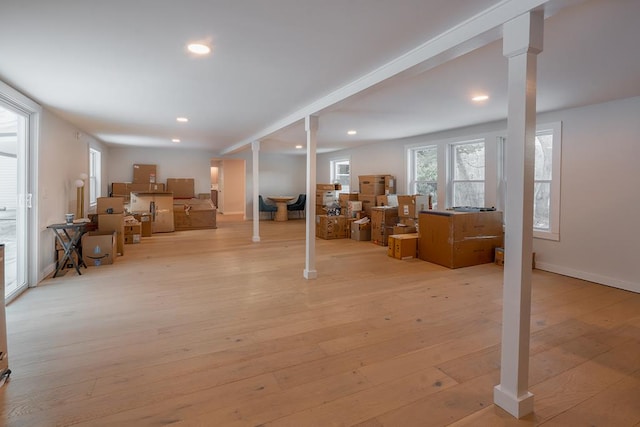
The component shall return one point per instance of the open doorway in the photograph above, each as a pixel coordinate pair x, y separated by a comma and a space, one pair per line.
228, 186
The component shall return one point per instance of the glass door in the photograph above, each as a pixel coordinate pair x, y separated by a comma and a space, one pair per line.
13, 198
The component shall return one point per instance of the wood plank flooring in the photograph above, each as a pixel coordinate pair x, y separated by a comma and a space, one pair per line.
206, 328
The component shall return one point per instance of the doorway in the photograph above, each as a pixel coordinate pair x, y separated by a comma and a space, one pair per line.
14, 200
228, 178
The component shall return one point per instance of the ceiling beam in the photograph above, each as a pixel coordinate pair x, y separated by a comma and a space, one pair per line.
478, 31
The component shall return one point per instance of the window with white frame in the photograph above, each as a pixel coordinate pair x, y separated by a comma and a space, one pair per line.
423, 171
466, 173
341, 174
94, 176
546, 191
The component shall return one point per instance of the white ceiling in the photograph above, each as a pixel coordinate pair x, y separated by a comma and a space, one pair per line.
119, 69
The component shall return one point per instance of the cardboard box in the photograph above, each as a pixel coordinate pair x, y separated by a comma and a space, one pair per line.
124, 189
132, 233
368, 202
195, 214
353, 206
459, 239
343, 198
99, 248
331, 227
361, 232
325, 187
182, 188
383, 219
144, 174
403, 246
115, 204
411, 206
145, 223
389, 184
372, 184
68, 264
325, 198
499, 258
111, 223
403, 229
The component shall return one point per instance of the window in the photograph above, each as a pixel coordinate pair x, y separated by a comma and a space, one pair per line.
341, 174
546, 190
423, 170
94, 176
467, 173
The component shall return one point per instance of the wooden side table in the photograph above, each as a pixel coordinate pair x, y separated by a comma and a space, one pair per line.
282, 214
68, 236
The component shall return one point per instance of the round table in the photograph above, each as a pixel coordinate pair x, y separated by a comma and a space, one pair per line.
281, 202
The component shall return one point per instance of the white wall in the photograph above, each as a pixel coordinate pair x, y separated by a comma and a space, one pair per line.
63, 153
600, 196
280, 174
170, 162
599, 187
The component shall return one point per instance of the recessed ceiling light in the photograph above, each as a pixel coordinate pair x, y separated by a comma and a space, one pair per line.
199, 48
175, 140
182, 119
352, 132
298, 146
480, 98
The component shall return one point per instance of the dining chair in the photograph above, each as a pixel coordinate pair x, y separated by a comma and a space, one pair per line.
298, 205
264, 207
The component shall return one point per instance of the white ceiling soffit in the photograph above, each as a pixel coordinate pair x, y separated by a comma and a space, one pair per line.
478, 31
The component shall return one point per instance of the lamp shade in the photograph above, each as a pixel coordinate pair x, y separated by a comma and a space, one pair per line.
79, 183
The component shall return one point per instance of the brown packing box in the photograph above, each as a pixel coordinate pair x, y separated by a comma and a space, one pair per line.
353, 207
132, 233
403, 246
325, 187
361, 232
372, 184
389, 184
145, 223
325, 197
69, 263
123, 189
194, 214
331, 227
116, 204
99, 248
380, 234
411, 206
182, 188
459, 239
499, 257
368, 202
343, 198
383, 218
113, 222
403, 229
144, 174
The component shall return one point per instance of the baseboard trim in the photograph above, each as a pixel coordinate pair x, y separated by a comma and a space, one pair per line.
591, 277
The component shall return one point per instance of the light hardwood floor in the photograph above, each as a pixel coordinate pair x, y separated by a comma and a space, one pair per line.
206, 328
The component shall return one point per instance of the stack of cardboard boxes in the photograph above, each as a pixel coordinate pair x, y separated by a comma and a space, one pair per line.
383, 219
144, 180
372, 186
110, 212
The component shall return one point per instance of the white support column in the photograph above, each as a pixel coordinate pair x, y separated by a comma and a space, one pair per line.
521, 45
311, 126
255, 148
